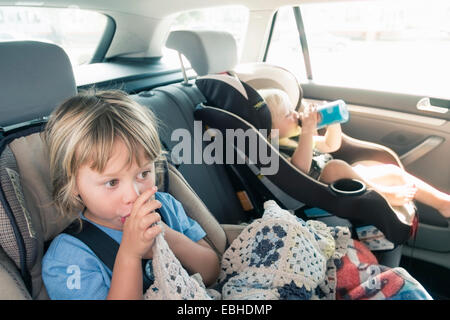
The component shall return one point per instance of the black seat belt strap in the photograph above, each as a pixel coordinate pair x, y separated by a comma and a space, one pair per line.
103, 246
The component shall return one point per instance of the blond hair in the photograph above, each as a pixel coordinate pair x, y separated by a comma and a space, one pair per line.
274, 99
83, 129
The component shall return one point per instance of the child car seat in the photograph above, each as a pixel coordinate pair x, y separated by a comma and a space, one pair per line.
266, 76
215, 52
262, 75
35, 77
28, 219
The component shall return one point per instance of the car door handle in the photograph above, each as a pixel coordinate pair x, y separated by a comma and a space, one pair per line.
424, 104
420, 150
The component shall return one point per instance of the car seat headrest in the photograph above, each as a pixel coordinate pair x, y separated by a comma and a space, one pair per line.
261, 75
35, 78
230, 94
207, 51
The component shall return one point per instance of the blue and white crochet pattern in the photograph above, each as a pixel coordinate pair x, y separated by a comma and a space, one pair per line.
280, 256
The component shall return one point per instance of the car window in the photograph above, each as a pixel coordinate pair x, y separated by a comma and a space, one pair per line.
77, 31
233, 19
396, 46
284, 48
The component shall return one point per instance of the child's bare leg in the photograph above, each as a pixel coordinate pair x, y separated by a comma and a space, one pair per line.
335, 170
395, 176
382, 174
431, 196
389, 182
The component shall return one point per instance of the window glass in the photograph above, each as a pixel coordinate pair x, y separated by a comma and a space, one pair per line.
77, 31
285, 49
233, 19
397, 46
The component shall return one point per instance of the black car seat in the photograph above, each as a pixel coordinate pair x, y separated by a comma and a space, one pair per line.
35, 78
213, 54
265, 76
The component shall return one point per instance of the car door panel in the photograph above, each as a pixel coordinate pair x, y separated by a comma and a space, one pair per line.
422, 141
400, 102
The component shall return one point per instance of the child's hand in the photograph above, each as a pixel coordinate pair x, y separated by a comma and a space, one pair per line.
309, 119
139, 231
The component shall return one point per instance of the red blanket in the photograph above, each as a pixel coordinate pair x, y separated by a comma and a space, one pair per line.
359, 276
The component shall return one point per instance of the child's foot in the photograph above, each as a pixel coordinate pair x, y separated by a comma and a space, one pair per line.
445, 209
398, 195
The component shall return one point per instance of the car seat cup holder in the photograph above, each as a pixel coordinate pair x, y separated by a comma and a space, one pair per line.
348, 187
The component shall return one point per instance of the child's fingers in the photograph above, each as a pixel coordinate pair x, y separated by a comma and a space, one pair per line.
152, 232
312, 107
143, 198
148, 220
148, 207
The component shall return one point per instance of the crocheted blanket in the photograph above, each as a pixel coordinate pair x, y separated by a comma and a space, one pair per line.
171, 280
280, 256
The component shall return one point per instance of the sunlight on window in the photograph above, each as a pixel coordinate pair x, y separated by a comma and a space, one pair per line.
397, 46
77, 31
400, 46
285, 49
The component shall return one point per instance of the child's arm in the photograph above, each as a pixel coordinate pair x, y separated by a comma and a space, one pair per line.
331, 141
302, 156
137, 240
194, 256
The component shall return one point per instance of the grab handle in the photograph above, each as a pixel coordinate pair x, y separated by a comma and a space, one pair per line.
424, 104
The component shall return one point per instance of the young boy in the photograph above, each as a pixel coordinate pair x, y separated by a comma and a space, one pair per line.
102, 147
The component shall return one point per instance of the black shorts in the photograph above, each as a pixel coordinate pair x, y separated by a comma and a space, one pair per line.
319, 162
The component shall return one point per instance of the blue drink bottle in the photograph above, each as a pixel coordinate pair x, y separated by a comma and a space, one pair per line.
332, 112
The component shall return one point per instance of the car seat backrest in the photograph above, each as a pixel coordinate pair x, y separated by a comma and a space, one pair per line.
34, 78
208, 51
44, 222
174, 107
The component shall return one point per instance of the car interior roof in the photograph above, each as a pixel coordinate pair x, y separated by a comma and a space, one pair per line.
155, 8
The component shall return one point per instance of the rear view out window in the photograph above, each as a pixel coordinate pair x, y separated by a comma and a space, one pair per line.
401, 46
77, 31
397, 46
233, 19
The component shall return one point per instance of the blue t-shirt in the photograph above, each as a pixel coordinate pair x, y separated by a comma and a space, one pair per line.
70, 270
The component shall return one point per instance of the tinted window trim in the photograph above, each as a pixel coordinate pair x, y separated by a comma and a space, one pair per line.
303, 42
105, 41
269, 39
